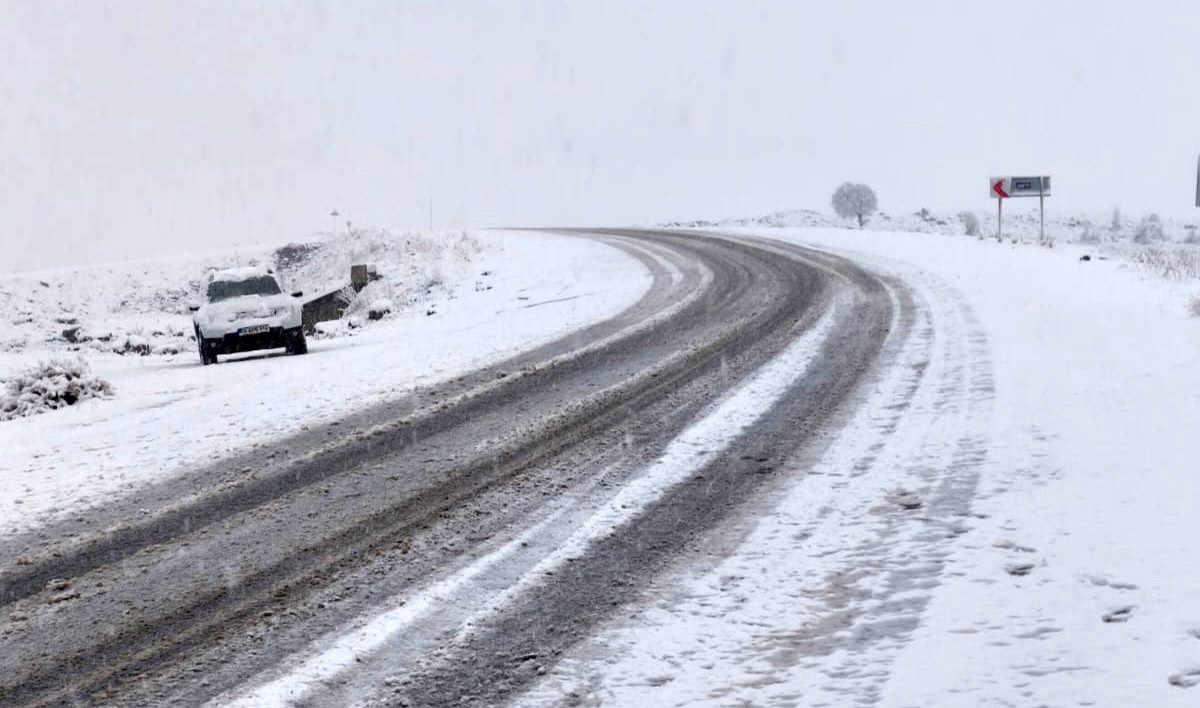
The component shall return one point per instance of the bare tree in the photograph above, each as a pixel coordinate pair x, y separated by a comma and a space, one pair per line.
857, 200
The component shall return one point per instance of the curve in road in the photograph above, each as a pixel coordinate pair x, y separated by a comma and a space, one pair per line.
217, 588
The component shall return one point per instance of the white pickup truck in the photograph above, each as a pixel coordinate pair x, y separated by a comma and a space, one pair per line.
246, 311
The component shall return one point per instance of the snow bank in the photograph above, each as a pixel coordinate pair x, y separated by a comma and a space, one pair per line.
174, 414
49, 386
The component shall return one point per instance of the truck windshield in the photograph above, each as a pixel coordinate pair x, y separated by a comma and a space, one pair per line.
224, 289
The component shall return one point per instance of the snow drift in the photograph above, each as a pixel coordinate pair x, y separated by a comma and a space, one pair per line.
48, 386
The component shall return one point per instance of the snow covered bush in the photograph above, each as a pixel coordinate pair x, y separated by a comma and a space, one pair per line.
294, 255
379, 308
1175, 263
1194, 306
466, 247
48, 386
928, 217
970, 223
134, 344
1148, 229
1089, 235
330, 329
854, 200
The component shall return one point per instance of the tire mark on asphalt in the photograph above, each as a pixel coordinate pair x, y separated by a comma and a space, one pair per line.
116, 654
505, 653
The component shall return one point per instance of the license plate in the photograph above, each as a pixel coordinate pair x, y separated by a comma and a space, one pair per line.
255, 329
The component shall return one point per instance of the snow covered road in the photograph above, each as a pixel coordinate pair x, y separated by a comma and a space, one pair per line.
898, 470
1008, 520
326, 530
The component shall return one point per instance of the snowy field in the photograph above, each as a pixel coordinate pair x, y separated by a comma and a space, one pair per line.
1008, 519
1114, 231
462, 301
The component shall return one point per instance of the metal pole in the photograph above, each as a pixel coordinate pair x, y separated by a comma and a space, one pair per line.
999, 218
1041, 216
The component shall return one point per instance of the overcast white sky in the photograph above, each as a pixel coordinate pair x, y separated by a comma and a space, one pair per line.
129, 128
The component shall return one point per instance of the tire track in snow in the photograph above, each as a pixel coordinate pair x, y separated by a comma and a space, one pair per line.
827, 587
691, 451
512, 645
185, 620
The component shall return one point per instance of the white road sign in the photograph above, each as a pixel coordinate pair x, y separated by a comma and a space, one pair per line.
1001, 188
1007, 187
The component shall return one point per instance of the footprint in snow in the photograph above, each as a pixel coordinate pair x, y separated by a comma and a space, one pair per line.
905, 499
1185, 679
1102, 582
1121, 614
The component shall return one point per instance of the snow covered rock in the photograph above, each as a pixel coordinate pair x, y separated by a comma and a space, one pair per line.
379, 308
134, 344
48, 386
331, 328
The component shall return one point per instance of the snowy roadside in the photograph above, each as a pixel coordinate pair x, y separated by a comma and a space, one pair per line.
1008, 520
170, 413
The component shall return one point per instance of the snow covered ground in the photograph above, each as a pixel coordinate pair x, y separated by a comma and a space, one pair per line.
1113, 232
494, 295
1008, 520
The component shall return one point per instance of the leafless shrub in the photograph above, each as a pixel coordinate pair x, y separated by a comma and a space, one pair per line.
465, 247
1174, 263
436, 278
1089, 235
425, 243
970, 223
1194, 306
1148, 229
294, 255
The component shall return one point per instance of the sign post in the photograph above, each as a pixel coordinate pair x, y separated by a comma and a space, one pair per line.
1042, 216
999, 192
1001, 188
